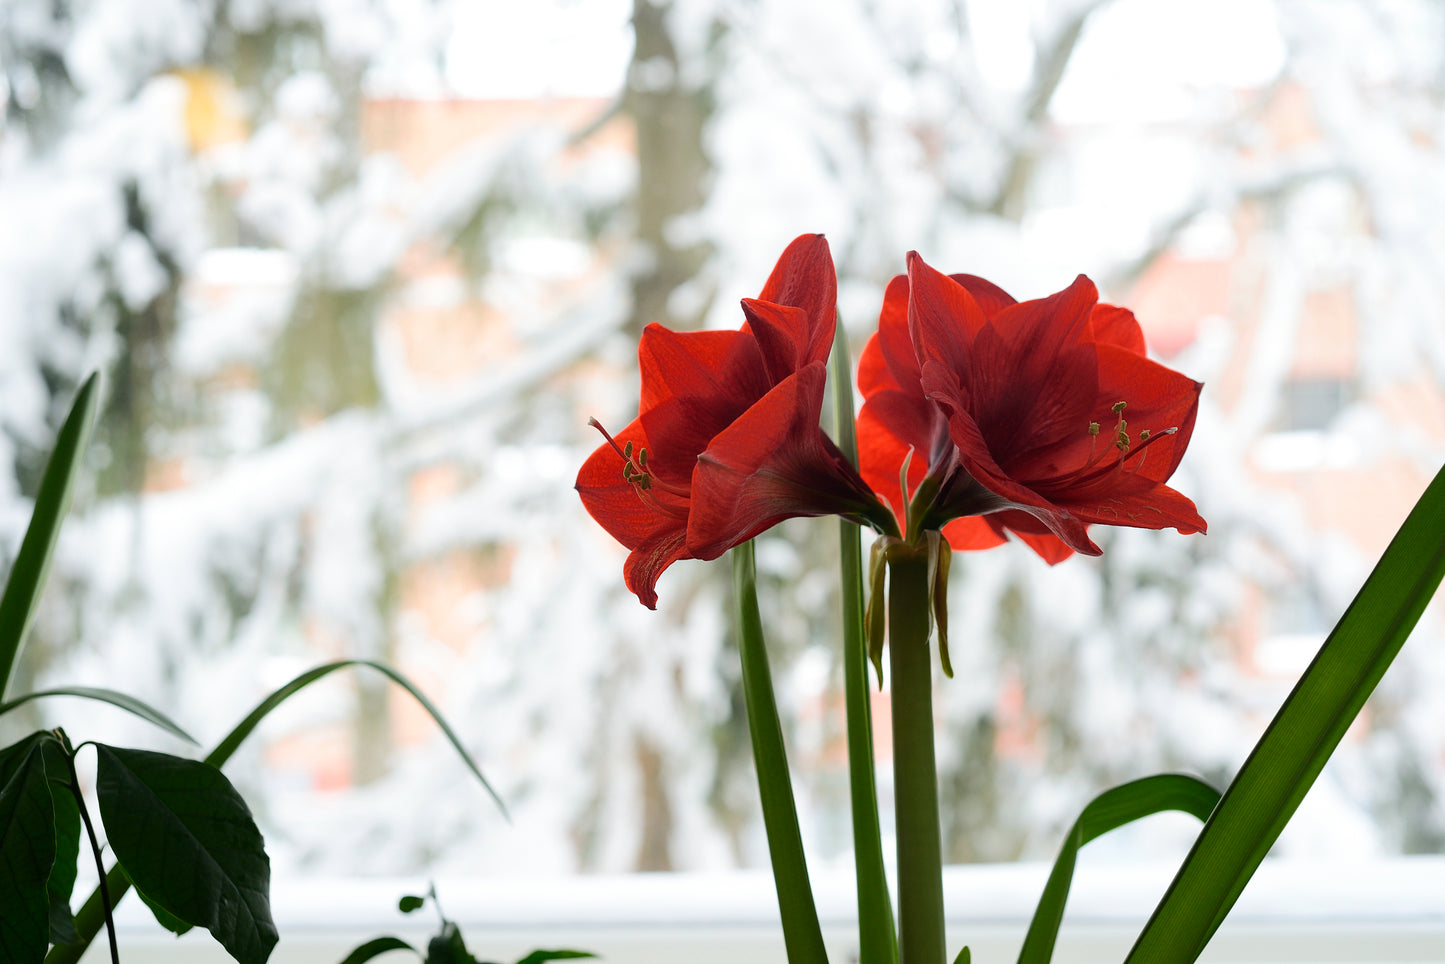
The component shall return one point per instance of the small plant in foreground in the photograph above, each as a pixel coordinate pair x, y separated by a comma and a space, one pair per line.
447, 947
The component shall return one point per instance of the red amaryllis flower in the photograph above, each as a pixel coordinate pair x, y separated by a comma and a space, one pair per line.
727, 443
1036, 417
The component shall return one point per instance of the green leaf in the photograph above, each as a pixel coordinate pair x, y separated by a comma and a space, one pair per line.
410, 903
1305, 731
66, 813
187, 841
164, 917
128, 703
537, 957
1108, 811
448, 947
233, 740
802, 935
27, 850
376, 948
965, 956
27, 576
877, 938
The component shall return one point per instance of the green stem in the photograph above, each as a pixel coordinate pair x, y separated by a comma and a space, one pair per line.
802, 935
106, 902
877, 938
915, 774
91, 916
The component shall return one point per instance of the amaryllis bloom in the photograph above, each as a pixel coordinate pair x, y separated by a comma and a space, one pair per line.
1036, 417
727, 442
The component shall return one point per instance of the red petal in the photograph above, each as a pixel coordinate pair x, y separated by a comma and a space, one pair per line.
612, 500
1034, 534
782, 335
990, 297
772, 464
804, 278
1158, 398
1140, 503
972, 533
979, 463
1117, 326
711, 365
647, 562
890, 424
943, 318
1039, 331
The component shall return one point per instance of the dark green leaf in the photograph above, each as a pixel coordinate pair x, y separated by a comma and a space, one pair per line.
27, 852
1300, 738
1108, 811
537, 957
66, 813
965, 956
877, 937
27, 576
410, 903
226, 747
187, 841
448, 947
376, 948
164, 917
802, 934
128, 703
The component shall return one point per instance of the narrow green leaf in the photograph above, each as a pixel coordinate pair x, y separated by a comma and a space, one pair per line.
539, 956
187, 841
802, 934
66, 823
233, 740
27, 576
877, 936
128, 703
27, 852
376, 948
1108, 811
965, 956
1303, 734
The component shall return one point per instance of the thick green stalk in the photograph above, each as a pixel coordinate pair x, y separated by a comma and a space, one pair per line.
915, 773
877, 939
802, 935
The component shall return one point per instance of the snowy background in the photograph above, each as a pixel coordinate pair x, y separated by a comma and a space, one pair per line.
357, 274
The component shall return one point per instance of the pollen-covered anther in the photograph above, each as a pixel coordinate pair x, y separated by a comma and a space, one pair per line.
634, 470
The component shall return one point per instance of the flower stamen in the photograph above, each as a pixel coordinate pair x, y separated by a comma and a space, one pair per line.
634, 471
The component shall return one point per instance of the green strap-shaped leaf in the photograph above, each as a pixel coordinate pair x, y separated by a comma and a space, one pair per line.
187, 841
1108, 811
1303, 734
877, 936
128, 703
27, 852
539, 956
233, 740
27, 576
802, 935
376, 948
